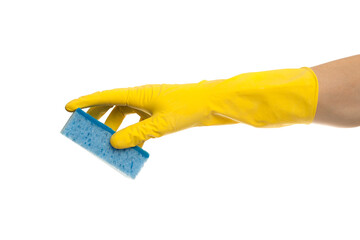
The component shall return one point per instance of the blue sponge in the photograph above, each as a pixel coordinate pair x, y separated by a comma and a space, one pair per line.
95, 137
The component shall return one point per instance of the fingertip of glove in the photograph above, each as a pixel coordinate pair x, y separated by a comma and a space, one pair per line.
68, 109
70, 106
121, 142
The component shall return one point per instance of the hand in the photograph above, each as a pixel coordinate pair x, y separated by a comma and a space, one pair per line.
264, 99
162, 109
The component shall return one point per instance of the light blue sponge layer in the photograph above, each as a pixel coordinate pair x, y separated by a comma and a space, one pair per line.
95, 137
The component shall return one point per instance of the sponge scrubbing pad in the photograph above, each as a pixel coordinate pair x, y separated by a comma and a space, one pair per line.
95, 137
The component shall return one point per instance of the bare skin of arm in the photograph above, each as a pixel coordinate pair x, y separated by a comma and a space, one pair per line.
339, 92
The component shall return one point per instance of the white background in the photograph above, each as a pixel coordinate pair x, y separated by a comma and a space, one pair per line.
224, 182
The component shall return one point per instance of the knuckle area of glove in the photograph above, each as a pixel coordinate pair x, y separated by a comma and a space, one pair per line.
143, 95
154, 129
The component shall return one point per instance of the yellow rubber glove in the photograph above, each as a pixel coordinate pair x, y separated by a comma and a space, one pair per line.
262, 99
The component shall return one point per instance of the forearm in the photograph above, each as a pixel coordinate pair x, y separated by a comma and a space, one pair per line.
339, 92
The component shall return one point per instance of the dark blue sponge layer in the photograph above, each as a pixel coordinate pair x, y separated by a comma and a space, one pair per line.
95, 137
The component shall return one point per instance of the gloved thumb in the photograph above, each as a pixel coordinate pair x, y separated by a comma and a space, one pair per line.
153, 127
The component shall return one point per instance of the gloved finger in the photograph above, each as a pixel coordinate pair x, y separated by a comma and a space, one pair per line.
143, 116
98, 112
138, 133
117, 116
136, 97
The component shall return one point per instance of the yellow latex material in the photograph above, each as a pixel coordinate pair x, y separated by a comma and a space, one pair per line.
262, 99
